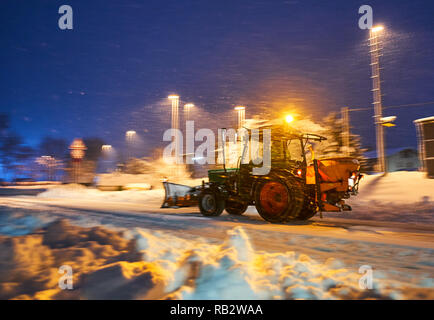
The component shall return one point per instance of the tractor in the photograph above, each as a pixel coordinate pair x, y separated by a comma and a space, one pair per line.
296, 187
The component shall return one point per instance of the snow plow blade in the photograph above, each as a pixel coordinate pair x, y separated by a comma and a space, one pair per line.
178, 195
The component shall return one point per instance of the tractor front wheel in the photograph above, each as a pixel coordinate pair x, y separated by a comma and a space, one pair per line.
235, 207
279, 200
210, 203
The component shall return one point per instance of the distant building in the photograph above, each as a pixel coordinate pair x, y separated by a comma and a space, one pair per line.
397, 159
425, 134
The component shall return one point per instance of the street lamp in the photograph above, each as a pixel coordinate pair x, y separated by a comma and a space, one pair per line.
241, 115
377, 29
129, 135
289, 118
106, 147
388, 121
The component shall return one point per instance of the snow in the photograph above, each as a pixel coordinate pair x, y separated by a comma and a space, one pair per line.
137, 186
235, 270
424, 119
15, 223
134, 195
403, 196
144, 264
118, 179
143, 255
401, 187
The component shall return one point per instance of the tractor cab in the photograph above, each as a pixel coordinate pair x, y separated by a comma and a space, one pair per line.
288, 149
294, 186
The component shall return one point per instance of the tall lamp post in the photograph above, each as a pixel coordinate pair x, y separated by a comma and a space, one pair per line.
188, 154
175, 123
374, 44
187, 108
175, 107
106, 151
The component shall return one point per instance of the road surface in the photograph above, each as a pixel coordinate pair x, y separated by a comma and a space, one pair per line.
384, 245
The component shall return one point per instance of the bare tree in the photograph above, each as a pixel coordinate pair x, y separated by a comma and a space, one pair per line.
14, 154
53, 147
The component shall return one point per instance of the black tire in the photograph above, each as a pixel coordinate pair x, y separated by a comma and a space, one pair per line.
236, 208
279, 200
210, 203
309, 209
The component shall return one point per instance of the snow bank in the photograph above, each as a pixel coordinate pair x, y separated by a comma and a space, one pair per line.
13, 223
122, 180
83, 193
400, 196
145, 172
402, 187
143, 264
194, 269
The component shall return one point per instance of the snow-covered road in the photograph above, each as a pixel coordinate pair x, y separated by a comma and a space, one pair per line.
244, 256
402, 247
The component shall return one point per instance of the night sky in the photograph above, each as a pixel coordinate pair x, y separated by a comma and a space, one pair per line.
114, 70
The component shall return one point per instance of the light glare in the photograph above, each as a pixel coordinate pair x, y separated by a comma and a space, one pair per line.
377, 28
289, 118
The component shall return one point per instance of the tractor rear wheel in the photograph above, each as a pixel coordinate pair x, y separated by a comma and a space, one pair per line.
211, 204
236, 208
279, 200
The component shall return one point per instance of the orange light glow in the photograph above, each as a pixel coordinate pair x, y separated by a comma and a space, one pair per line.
106, 147
289, 118
377, 28
130, 133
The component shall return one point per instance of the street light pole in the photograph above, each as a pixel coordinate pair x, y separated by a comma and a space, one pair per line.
374, 44
189, 154
175, 125
175, 106
187, 108
241, 115
129, 135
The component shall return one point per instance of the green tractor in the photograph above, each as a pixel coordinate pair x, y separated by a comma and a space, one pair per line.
295, 187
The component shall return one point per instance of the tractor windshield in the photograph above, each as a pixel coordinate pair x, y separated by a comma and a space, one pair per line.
281, 150
294, 150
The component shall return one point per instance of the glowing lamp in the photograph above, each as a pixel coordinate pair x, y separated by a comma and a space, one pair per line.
289, 118
377, 28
